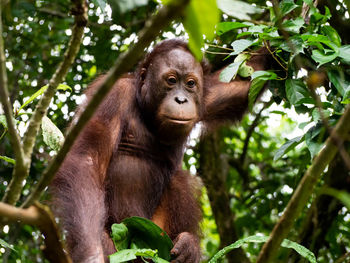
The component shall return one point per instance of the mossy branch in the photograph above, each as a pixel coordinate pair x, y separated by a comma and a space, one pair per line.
5, 100
40, 216
21, 170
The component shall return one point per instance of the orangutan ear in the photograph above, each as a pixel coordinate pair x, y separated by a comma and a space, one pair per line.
143, 74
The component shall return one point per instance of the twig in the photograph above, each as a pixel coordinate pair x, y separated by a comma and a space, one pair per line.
41, 217
304, 190
220, 47
4, 98
274, 57
251, 130
217, 53
124, 63
344, 258
20, 172
3, 134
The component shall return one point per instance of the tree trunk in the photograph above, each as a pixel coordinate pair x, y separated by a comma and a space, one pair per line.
213, 171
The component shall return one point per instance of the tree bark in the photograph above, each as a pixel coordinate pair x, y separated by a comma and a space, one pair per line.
213, 170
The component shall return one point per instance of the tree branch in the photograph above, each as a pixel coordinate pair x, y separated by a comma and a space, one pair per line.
5, 101
124, 63
41, 217
251, 130
20, 172
304, 190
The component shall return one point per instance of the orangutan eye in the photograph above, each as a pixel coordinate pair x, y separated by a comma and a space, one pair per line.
171, 80
191, 83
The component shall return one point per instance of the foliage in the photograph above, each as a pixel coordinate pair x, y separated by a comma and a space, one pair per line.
308, 91
139, 233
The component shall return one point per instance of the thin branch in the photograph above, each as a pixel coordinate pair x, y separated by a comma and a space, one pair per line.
220, 47
304, 190
5, 100
20, 172
217, 53
251, 130
40, 216
124, 63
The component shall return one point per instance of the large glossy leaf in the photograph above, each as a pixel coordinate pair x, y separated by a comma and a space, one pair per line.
297, 92
52, 136
224, 27
200, 20
231, 70
313, 142
241, 45
238, 9
151, 234
287, 6
288, 146
131, 254
324, 56
259, 78
337, 78
301, 250
127, 5
344, 54
120, 236
293, 25
332, 34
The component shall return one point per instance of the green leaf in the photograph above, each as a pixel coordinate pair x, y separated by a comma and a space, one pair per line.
224, 27
8, 159
3, 243
241, 45
317, 40
151, 234
344, 54
127, 5
293, 25
100, 3
332, 34
316, 116
287, 6
231, 7
303, 251
342, 195
337, 78
259, 78
231, 70
288, 146
322, 57
41, 91
131, 254
245, 70
200, 19
120, 236
297, 92
312, 141
3, 121
296, 42
52, 136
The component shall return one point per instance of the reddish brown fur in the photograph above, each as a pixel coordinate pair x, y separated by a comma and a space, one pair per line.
119, 167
